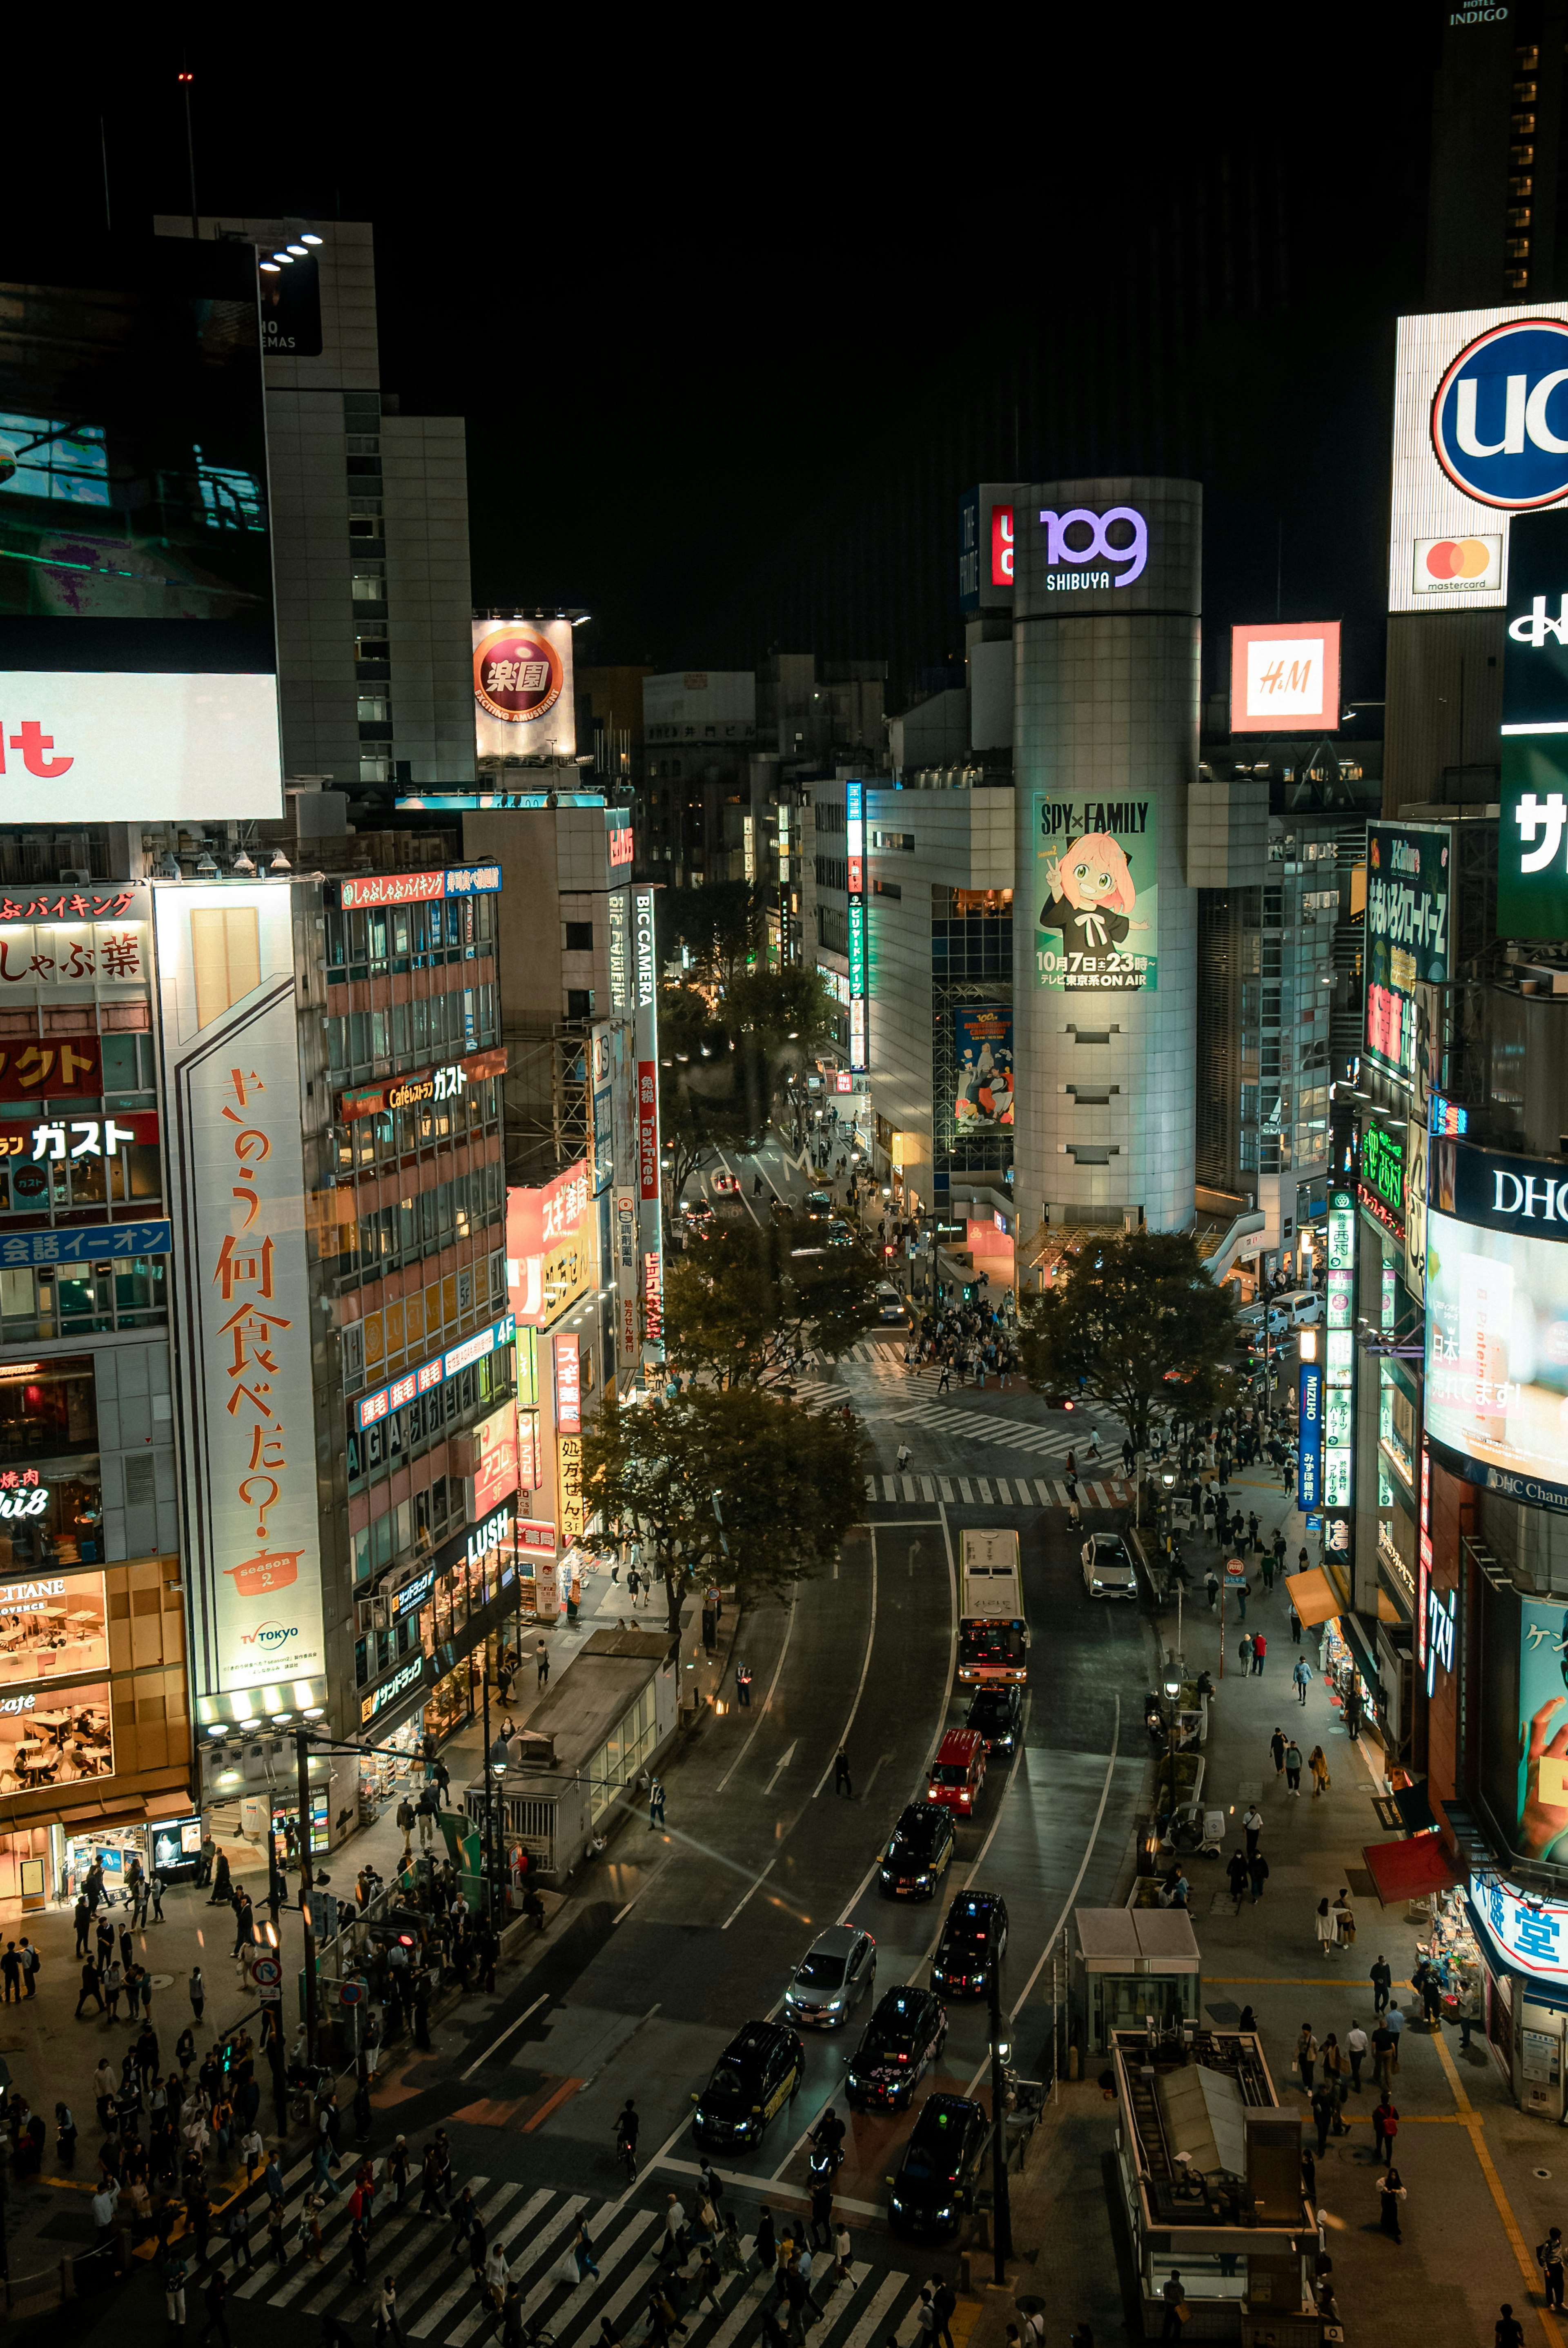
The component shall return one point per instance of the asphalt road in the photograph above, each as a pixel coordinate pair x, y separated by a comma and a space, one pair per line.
695, 1929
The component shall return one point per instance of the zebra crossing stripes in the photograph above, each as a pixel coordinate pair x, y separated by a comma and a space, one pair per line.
992, 1491
437, 2303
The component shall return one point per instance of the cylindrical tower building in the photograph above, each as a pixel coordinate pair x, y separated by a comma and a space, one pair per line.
1107, 638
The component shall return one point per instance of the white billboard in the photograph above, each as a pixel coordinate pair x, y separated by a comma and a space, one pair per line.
523, 706
80, 745
243, 1355
1480, 432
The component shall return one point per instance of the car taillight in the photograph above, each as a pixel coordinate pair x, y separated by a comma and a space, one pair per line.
904, 2059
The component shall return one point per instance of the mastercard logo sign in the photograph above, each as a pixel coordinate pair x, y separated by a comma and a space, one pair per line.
1459, 558
1455, 565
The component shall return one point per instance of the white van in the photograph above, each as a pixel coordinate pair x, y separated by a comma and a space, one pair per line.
1297, 1308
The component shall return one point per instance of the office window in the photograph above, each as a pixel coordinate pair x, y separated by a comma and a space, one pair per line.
579, 937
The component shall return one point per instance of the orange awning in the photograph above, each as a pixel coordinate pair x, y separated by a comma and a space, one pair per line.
1406, 1869
1313, 1595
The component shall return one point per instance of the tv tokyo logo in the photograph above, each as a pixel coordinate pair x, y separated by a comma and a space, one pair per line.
1495, 415
1134, 552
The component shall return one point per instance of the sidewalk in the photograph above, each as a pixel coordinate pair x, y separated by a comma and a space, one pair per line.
1484, 2181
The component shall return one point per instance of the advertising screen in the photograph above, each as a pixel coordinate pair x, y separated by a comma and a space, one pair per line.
242, 1353
523, 706
1541, 1824
1532, 837
136, 595
1096, 882
1481, 434
985, 538
982, 1055
1497, 1320
1535, 657
1286, 676
1382, 1163
549, 1245
1407, 942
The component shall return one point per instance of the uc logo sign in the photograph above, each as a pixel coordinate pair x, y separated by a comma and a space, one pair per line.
1500, 419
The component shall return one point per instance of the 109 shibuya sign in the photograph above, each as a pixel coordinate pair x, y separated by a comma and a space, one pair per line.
1062, 530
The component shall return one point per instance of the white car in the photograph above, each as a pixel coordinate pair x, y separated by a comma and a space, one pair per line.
1108, 1568
831, 1978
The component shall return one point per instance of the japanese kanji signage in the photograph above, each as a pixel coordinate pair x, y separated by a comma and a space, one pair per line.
549, 1245
376, 888
236, 1176
647, 1129
568, 1387
72, 949
523, 704
86, 1243
444, 1083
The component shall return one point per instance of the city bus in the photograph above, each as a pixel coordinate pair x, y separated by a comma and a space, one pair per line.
993, 1637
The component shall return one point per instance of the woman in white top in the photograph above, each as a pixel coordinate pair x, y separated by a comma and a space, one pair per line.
1327, 1930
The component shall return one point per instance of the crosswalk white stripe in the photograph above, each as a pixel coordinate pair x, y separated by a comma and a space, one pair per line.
963, 1492
909, 1491
747, 2302
544, 2286
945, 1487
984, 1483
299, 2272
487, 2211
607, 2257
635, 2283
426, 2317
838, 2303
1044, 1490
870, 2326
927, 1489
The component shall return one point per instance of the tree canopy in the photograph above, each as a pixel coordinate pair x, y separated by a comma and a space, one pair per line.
723, 925
1135, 1323
726, 1055
726, 1484
742, 1302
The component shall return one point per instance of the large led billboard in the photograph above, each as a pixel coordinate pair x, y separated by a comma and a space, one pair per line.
1096, 869
523, 704
1497, 1320
1284, 676
1481, 434
137, 669
1408, 877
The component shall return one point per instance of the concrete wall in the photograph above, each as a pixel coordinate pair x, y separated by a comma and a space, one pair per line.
1106, 710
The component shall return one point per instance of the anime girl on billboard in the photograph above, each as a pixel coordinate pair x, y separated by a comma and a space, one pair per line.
1091, 896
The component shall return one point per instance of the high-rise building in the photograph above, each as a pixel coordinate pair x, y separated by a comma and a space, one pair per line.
370, 525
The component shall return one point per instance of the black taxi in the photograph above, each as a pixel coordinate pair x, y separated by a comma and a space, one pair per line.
756, 2074
919, 1853
905, 2033
972, 1939
943, 2163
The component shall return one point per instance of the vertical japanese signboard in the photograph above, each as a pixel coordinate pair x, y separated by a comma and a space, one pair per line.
1339, 1365
568, 1387
243, 1362
1408, 874
1309, 1421
855, 822
650, 1203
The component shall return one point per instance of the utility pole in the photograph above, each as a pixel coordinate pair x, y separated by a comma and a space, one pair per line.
1001, 2210
302, 1755
186, 79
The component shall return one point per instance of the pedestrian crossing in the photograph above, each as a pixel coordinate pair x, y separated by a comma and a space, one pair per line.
1017, 1492
440, 2299
980, 1429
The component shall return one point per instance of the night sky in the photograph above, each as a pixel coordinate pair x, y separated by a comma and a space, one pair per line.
735, 316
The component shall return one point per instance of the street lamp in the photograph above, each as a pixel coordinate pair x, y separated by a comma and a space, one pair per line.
1172, 1685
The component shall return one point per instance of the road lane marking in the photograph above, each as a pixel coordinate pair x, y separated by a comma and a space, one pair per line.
788, 1628
511, 2027
865, 1667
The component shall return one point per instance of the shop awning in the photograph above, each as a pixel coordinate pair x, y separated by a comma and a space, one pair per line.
1410, 1869
1313, 1595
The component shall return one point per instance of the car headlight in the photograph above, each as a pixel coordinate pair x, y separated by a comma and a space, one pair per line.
701, 2115
944, 2213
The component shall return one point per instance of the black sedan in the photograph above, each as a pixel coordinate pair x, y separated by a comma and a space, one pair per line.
905, 2033
919, 1853
941, 2165
971, 1946
756, 2074
998, 1711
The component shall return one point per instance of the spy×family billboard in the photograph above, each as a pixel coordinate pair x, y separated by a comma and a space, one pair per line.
1096, 882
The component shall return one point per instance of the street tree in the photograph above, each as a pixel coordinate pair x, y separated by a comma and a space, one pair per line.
1135, 1323
726, 1055
726, 1484
743, 1304
723, 926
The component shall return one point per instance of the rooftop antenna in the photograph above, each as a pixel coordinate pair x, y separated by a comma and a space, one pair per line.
186, 79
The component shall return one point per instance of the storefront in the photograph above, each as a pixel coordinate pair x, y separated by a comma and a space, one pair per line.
1520, 1942
440, 1620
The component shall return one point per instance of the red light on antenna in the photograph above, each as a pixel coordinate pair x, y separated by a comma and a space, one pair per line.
185, 77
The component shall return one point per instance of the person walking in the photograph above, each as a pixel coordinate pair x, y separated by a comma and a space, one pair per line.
1358, 2046
1251, 1826
216, 2298
1344, 1920
198, 1994
655, 1803
542, 1659
1302, 1678
1327, 1932
1260, 1649
89, 1988
1384, 2127
1244, 1651
1322, 2114
1258, 1873
743, 1686
1276, 1747
842, 1774
1236, 1870
1176, 2309
1391, 2191
1317, 1762
1293, 1768
1549, 2258
1305, 2055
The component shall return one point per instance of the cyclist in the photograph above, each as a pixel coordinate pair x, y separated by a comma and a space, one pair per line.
627, 2125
